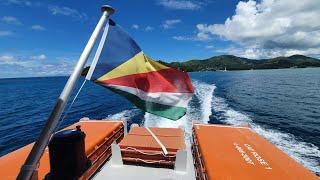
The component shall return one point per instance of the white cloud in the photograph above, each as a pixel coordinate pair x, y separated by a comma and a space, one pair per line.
258, 53
149, 28
185, 38
167, 24
270, 28
180, 4
22, 66
10, 20
5, 33
197, 37
19, 2
38, 27
209, 47
135, 26
202, 35
66, 11
203, 32
6, 58
39, 57
36, 70
16, 60
21, 60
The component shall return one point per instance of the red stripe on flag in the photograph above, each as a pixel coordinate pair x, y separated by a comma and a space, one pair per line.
165, 80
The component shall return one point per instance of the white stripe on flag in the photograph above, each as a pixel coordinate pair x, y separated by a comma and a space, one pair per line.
166, 98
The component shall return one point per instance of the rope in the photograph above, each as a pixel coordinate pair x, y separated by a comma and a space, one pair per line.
164, 149
149, 154
148, 161
66, 113
70, 106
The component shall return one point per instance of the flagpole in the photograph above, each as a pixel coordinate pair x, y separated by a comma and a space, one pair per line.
31, 163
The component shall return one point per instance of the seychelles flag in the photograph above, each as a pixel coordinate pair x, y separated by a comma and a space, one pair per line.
121, 66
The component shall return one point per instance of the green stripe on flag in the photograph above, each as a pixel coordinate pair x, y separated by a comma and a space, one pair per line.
169, 112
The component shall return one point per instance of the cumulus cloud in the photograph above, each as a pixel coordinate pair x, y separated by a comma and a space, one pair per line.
270, 28
135, 26
21, 60
16, 60
6, 58
61, 67
38, 27
209, 47
180, 4
149, 28
39, 57
19, 2
22, 66
167, 24
185, 38
258, 53
66, 11
146, 28
10, 20
201, 35
5, 33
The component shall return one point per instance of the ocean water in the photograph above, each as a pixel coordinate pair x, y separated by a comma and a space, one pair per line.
281, 105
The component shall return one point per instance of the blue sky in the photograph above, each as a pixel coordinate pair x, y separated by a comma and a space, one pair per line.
45, 38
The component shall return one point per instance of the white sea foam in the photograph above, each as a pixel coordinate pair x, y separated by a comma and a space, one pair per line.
305, 153
124, 115
227, 114
204, 93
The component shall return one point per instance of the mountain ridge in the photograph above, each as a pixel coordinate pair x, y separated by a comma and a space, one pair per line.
231, 62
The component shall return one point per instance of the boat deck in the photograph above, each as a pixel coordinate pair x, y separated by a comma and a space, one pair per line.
217, 152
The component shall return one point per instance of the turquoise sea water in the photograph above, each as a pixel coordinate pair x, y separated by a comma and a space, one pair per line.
281, 105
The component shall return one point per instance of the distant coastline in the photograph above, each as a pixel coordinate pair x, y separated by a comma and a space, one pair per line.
230, 62
227, 62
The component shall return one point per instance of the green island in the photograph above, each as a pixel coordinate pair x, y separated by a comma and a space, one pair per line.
230, 62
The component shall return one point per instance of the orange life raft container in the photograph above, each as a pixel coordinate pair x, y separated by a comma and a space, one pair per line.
99, 137
227, 152
140, 148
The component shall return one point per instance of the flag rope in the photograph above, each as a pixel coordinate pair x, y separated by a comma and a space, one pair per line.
70, 106
164, 149
66, 113
98, 52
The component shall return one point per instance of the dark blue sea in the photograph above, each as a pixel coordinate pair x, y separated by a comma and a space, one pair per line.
281, 105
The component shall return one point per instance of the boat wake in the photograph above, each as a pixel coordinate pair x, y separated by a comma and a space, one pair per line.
202, 98
124, 115
206, 107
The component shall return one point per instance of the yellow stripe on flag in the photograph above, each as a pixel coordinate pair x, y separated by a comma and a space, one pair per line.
136, 65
